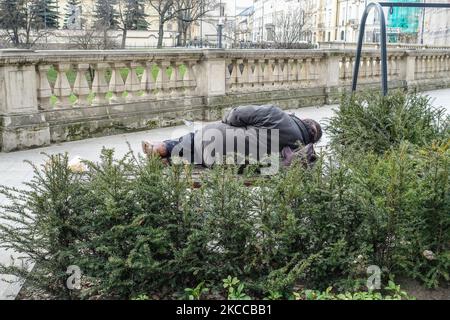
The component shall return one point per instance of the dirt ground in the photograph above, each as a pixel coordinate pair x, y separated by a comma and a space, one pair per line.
415, 289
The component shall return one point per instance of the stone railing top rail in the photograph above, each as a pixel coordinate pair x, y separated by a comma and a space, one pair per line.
338, 44
8, 57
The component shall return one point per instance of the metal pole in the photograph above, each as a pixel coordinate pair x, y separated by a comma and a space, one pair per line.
220, 37
415, 4
262, 23
235, 23
201, 24
423, 26
220, 26
379, 7
383, 39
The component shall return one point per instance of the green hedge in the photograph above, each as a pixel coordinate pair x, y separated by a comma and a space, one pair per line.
369, 122
138, 229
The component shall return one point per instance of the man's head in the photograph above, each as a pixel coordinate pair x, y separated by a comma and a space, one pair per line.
314, 129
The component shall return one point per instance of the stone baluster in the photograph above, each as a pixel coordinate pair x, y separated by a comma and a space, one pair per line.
99, 84
348, 69
304, 71
315, 66
446, 65
377, 68
418, 71
268, 71
63, 91
147, 81
342, 69
397, 62
281, 73
286, 72
393, 67
370, 69
240, 74
363, 70
162, 81
441, 66
189, 79
132, 84
44, 91
259, 72
251, 71
429, 67
174, 75
434, 71
420, 67
247, 74
228, 74
235, 74
417, 67
116, 84
180, 78
292, 76
309, 74
276, 73
389, 66
81, 86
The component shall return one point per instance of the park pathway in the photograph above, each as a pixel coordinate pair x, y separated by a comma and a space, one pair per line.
13, 170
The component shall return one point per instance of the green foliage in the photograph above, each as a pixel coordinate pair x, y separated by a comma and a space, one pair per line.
45, 13
197, 292
105, 14
393, 292
235, 289
141, 297
133, 15
139, 229
370, 122
41, 220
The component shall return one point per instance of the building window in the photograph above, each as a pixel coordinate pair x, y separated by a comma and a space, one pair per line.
342, 35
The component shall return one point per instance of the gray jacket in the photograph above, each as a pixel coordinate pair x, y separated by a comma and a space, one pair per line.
249, 120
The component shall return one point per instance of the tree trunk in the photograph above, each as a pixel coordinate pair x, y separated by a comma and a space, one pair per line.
180, 32
124, 37
161, 35
105, 39
16, 40
184, 37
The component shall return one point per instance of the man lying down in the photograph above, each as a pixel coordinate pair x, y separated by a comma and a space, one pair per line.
247, 134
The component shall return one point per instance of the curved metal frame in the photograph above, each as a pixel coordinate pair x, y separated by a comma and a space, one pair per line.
384, 74
379, 7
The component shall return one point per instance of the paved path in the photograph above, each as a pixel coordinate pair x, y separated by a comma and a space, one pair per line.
13, 170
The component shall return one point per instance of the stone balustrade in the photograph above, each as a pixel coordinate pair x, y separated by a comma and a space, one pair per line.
55, 96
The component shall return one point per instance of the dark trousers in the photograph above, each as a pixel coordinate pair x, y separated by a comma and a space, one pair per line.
187, 139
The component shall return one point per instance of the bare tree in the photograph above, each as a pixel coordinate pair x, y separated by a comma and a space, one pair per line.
90, 39
131, 16
165, 11
290, 28
168, 10
18, 20
190, 11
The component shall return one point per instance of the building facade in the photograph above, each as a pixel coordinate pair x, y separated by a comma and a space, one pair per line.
257, 21
435, 29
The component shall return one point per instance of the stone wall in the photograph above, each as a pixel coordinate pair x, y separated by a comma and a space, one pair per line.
56, 96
